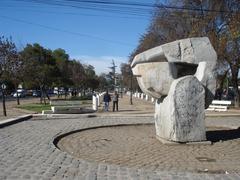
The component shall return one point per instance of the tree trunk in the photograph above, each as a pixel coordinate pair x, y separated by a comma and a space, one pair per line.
65, 93
41, 96
222, 79
48, 97
44, 98
234, 70
58, 93
44, 95
18, 101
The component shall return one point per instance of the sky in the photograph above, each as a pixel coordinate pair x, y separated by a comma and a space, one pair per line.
94, 37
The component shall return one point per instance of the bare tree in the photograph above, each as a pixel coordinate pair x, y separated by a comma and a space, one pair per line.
10, 63
217, 19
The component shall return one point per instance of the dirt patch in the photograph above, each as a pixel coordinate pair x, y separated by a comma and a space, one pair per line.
136, 146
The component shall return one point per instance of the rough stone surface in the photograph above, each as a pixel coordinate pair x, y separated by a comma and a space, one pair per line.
184, 71
180, 116
173, 60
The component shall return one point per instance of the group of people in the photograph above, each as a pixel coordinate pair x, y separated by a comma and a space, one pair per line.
107, 99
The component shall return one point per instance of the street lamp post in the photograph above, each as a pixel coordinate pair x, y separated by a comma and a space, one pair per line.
3, 87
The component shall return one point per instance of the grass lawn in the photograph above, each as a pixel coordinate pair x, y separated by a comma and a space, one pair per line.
36, 107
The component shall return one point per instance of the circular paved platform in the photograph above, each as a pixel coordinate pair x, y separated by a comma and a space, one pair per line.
136, 146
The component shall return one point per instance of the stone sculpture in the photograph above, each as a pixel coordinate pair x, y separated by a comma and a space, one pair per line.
181, 76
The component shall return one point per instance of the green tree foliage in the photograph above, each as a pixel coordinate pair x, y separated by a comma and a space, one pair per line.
91, 79
63, 64
39, 68
77, 74
44, 68
104, 82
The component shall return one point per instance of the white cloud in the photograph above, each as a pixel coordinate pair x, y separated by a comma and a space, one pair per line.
102, 63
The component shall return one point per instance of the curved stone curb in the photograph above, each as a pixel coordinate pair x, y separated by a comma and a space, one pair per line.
11, 121
52, 115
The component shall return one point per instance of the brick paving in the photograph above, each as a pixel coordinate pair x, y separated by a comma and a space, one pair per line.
27, 151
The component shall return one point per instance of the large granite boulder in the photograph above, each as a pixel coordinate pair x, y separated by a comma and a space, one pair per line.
158, 67
181, 75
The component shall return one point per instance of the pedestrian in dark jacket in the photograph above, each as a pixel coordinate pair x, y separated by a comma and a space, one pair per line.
115, 101
106, 99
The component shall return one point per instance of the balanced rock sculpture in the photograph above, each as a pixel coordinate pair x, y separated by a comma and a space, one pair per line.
181, 76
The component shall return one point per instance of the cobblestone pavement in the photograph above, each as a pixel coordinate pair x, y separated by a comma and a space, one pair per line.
27, 152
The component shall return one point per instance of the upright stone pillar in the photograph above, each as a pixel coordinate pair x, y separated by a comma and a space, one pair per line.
146, 97
152, 99
180, 116
98, 100
95, 103
138, 95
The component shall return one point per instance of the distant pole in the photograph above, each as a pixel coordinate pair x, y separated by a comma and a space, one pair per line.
4, 105
3, 87
114, 74
121, 86
131, 89
113, 68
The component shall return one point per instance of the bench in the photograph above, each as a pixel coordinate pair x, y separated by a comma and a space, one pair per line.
218, 105
65, 103
70, 110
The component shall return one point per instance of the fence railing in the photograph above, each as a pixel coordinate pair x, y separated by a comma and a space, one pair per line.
142, 96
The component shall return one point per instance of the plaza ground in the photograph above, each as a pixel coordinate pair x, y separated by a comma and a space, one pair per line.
13, 111
27, 149
140, 107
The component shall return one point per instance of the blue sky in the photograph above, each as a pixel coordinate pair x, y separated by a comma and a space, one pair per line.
94, 37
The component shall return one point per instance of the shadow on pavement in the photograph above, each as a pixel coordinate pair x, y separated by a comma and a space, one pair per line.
224, 135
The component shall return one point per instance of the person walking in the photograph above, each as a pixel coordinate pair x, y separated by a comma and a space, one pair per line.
106, 99
115, 101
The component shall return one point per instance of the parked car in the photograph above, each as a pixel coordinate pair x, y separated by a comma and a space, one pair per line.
36, 93
29, 92
19, 93
59, 91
